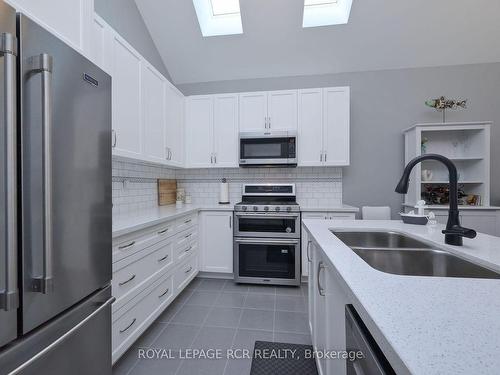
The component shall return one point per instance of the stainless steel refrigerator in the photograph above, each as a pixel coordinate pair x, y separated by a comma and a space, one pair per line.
55, 205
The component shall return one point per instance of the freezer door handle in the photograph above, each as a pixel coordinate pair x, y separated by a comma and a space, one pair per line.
9, 298
42, 64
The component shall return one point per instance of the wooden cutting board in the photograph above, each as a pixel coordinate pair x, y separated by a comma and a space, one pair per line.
167, 192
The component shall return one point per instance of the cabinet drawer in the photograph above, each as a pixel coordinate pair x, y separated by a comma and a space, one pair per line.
131, 244
182, 252
186, 222
129, 324
133, 272
185, 273
182, 240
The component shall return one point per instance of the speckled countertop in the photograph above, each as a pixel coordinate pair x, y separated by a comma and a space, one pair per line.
424, 325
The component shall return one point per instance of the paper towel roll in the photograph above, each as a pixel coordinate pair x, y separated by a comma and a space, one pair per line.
224, 192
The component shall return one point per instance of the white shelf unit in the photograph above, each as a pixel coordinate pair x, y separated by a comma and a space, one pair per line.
466, 144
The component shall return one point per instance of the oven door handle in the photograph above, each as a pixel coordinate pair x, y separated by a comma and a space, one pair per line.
268, 216
263, 242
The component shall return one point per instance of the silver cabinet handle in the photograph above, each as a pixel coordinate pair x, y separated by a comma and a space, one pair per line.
307, 251
215, 158
43, 64
127, 281
123, 247
9, 298
163, 231
325, 156
189, 270
128, 327
171, 153
162, 259
165, 292
269, 122
230, 222
62, 338
188, 235
188, 249
321, 290
188, 221
211, 158
321, 156
113, 133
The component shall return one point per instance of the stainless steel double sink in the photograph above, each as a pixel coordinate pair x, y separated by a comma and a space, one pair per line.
396, 253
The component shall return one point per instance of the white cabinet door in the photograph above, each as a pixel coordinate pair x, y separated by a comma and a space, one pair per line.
253, 112
305, 239
226, 131
199, 132
216, 241
320, 324
310, 132
127, 120
70, 20
336, 135
100, 39
153, 110
282, 110
174, 126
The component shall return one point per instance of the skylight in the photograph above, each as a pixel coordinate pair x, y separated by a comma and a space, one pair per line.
326, 12
219, 17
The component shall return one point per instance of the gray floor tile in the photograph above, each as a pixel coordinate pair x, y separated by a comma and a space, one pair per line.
260, 301
290, 303
230, 300
202, 298
163, 366
245, 338
238, 367
176, 337
262, 289
257, 319
151, 334
203, 367
224, 317
194, 283
231, 286
191, 315
291, 322
184, 296
126, 362
292, 338
214, 338
211, 285
169, 313
289, 291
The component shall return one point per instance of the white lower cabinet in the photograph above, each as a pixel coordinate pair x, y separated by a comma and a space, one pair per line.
327, 302
320, 216
216, 242
150, 268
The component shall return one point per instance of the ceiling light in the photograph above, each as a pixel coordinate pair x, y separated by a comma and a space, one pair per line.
224, 7
218, 17
326, 12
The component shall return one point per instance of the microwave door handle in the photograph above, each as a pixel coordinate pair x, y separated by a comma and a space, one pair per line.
9, 299
42, 64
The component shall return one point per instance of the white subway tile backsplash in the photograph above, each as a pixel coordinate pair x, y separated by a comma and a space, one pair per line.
315, 186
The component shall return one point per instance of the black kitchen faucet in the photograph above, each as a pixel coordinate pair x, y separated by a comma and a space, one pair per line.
454, 232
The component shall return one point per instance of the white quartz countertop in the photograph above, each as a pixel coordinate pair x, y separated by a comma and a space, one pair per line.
424, 325
137, 220
341, 208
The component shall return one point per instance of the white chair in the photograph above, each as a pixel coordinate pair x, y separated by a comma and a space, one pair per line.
376, 213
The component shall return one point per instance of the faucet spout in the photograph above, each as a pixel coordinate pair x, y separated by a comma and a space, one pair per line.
454, 232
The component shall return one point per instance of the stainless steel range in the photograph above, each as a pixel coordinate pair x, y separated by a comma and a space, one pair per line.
267, 235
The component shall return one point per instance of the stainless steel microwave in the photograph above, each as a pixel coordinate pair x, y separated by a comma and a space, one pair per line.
268, 149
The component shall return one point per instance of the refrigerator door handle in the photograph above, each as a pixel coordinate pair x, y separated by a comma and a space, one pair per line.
9, 298
42, 64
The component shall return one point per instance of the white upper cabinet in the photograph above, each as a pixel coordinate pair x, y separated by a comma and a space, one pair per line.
127, 119
253, 112
336, 133
268, 111
310, 135
216, 241
324, 127
153, 112
199, 131
282, 110
226, 130
174, 128
70, 20
100, 40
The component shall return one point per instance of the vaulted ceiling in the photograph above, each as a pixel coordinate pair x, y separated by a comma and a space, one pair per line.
381, 34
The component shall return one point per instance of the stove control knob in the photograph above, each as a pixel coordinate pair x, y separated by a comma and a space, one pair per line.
255, 208
266, 208
244, 208
278, 209
288, 209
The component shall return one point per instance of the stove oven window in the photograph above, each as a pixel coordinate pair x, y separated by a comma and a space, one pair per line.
267, 260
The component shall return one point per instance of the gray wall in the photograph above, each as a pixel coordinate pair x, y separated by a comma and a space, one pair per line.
383, 103
125, 18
